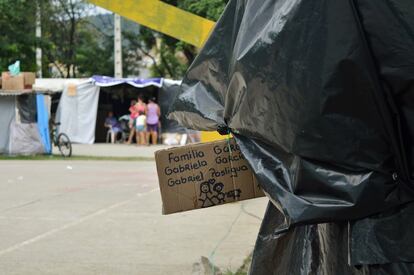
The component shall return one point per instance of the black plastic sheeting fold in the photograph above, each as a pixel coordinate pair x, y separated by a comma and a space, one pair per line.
320, 97
26, 104
166, 95
320, 249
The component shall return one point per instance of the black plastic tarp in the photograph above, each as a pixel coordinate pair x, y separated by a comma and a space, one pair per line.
333, 248
320, 97
26, 104
166, 95
298, 85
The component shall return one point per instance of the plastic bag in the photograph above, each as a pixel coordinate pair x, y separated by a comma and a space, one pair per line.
300, 86
320, 97
14, 68
329, 248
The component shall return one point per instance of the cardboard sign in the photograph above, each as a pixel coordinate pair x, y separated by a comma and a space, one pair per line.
203, 175
72, 89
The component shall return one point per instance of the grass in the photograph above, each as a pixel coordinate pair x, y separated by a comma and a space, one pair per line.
75, 158
244, 269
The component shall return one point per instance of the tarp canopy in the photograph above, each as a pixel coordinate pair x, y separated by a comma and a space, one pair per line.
320, 97
54, 85
106, 81
77, 109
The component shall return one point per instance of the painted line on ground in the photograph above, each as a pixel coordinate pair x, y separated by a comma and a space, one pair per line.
72, 224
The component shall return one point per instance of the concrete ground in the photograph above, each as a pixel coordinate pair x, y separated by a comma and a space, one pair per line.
115, 150
104, 217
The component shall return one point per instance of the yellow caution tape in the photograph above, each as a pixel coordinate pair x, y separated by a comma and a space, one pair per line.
162, 17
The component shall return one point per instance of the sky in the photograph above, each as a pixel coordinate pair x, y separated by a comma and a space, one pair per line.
99, 10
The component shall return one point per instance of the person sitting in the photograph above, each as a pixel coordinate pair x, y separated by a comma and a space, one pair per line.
113, 126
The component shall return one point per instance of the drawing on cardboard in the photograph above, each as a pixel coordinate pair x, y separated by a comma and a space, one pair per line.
211, 193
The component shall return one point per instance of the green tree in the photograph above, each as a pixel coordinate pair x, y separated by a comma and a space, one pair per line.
79, 48
94, 55
63, 33
17, 25
84, 42
68, 40
172, 57
210, 9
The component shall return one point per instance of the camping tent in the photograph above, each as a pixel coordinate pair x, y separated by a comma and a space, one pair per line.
78, 107
24, 117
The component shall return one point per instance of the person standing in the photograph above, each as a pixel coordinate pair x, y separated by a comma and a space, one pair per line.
133, 115
141, 129
140, 105
153, 119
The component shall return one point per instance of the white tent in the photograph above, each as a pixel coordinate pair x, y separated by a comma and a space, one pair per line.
77, 111
77, 107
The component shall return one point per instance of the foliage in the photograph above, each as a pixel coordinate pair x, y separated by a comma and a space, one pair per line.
210, 9
94, 54
175, 56
77, 48
60, 23
77, 44
69, 42
17, 34
244, 268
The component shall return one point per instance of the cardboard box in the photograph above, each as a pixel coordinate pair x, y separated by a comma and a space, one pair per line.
22, 81
203, 175
29, 79
12, 82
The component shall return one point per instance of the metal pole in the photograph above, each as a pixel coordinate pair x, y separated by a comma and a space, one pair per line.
117, 46
38, 36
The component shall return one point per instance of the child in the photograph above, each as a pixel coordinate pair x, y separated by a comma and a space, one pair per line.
140, 123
